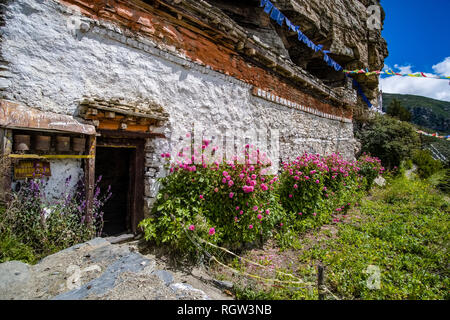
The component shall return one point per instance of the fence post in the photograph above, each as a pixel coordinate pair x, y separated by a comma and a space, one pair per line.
320, 281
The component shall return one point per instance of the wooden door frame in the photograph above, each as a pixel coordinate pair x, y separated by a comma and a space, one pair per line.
117, 139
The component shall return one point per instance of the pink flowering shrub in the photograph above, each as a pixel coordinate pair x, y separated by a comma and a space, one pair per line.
235, 202
225, 202
313, 187
370, 168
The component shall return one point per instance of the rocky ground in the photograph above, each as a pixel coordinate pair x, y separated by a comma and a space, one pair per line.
98, 269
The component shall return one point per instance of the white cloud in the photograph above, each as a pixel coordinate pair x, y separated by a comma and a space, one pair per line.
403, 69
443, 68
432, 88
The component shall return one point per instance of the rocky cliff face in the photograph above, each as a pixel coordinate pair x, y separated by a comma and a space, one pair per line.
341, 26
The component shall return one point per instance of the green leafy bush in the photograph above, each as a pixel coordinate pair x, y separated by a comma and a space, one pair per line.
396, 110
426, 165
389, 139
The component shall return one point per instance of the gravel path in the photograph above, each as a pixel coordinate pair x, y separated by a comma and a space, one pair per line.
98, 269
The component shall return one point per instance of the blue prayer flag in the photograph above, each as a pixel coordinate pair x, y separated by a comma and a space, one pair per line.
288, 23
277, 15
268, 7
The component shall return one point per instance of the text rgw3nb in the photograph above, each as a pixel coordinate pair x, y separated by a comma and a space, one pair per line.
232, 309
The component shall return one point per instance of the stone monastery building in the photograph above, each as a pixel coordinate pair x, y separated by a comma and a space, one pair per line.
103, 87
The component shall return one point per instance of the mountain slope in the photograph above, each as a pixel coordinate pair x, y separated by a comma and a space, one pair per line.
426, 112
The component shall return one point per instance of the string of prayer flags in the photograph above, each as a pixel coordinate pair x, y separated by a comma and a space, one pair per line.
392, 73
276, 15
436, 135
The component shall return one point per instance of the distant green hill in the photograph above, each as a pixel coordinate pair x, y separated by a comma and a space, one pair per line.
429, 113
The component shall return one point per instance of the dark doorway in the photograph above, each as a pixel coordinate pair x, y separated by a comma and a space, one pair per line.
113, 164
120, 160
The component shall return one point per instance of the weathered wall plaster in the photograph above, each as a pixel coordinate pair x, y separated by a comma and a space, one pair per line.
65, 175
51, 69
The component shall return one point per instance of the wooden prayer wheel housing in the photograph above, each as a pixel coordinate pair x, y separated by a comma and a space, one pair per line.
42, 143
22, 142
62, 143
79, 144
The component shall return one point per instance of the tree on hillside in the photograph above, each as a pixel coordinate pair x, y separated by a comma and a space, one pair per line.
396, 110
389, 139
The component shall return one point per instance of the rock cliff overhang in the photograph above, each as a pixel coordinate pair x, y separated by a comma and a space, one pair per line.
204, 35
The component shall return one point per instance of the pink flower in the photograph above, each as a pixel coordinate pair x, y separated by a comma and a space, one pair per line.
255, 208
306, 178
241, 176
317, 181
267, 211
225, 174
281, 224
295, 186
212, 231
253, 176
314, 214
162, 155
167, 155
224, 180
230, 183
300, 213
264, 187
191, 227
290, 196
241, 212
231, 195
237, 208
201, 196
259, 216
216, 189
250, 226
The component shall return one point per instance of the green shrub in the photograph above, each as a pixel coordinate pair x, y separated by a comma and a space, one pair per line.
407, 164
426, 165
389, 139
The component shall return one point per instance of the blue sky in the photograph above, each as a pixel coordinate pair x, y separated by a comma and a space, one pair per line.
417, 33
